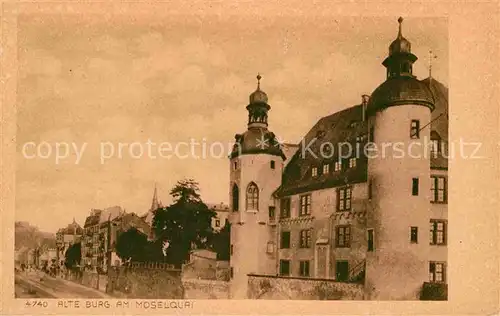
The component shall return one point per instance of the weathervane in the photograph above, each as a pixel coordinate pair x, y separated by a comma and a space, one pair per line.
431, 57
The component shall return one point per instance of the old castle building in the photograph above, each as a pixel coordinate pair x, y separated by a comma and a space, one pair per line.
327, 212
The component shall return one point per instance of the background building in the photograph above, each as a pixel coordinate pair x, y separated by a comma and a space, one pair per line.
65, 237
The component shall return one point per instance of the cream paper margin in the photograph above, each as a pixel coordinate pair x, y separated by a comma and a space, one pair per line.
474, 193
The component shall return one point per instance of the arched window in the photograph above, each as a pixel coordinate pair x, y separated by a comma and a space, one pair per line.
236, 198
252, 197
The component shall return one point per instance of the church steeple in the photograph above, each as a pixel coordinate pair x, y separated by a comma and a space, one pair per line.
258, 107
154, 204
400, 61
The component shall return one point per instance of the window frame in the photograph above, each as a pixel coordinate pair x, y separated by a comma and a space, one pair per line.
252, 198
282, 264
434, 232
305, 209
433, 273
273, 164
288, 207
370, 242
343, 198
415, 186
314, 172
304, 268
414, 234
289, 243
346, 236
326, 168
305, 238
415, 129
435, 189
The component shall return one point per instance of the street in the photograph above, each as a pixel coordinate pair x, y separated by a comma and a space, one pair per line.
38, 285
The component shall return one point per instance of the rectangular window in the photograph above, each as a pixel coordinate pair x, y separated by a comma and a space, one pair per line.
304, 268
370, 189
439, 190
343, 236
217, 223
352, 162
338, 166
272, 212
314, 172
231, 272
437, 272
235, 165
437, 232
284, 267
372, 134
344, 199
285, 240
231, 250
370, 240
414, 186
285, 208
326, 169
414, 234
415, 129
305, 238
273, 164
305, 205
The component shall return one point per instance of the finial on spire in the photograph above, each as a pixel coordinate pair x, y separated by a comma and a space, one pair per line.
258, 80
431, 57
400, 21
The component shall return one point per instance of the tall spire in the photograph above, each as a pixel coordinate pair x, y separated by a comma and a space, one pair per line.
431, 57
400, 33
400, 60
154, 203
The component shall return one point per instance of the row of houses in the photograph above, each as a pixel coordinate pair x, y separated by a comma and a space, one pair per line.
102, 228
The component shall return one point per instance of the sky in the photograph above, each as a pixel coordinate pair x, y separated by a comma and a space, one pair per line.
101, 83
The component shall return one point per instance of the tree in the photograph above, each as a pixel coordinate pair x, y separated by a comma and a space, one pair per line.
73, 255
222, 243
185, 223
132, 245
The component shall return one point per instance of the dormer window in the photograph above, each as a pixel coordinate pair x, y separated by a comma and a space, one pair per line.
435, 144
326, 168
338, 166
314, 172
352, 162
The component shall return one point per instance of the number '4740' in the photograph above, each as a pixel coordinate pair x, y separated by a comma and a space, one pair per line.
37, 303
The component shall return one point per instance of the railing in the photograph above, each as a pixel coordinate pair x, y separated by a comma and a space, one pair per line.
357, 273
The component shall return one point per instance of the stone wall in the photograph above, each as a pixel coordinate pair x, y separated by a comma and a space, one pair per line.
205, 289
204, 265
275, 288
145, 283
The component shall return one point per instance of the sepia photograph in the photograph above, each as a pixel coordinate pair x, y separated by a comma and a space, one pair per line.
280, 161
162, 156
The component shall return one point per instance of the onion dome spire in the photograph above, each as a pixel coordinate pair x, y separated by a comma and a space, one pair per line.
258, 107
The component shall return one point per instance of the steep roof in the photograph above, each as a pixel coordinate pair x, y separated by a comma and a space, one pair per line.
346, 126
439, 121
327, 133
71, 229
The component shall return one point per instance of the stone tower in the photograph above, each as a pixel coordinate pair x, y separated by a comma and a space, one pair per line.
256, 164
398, 112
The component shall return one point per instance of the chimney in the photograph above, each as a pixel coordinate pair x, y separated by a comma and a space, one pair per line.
364, 102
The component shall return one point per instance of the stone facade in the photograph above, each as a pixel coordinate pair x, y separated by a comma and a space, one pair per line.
276, 288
